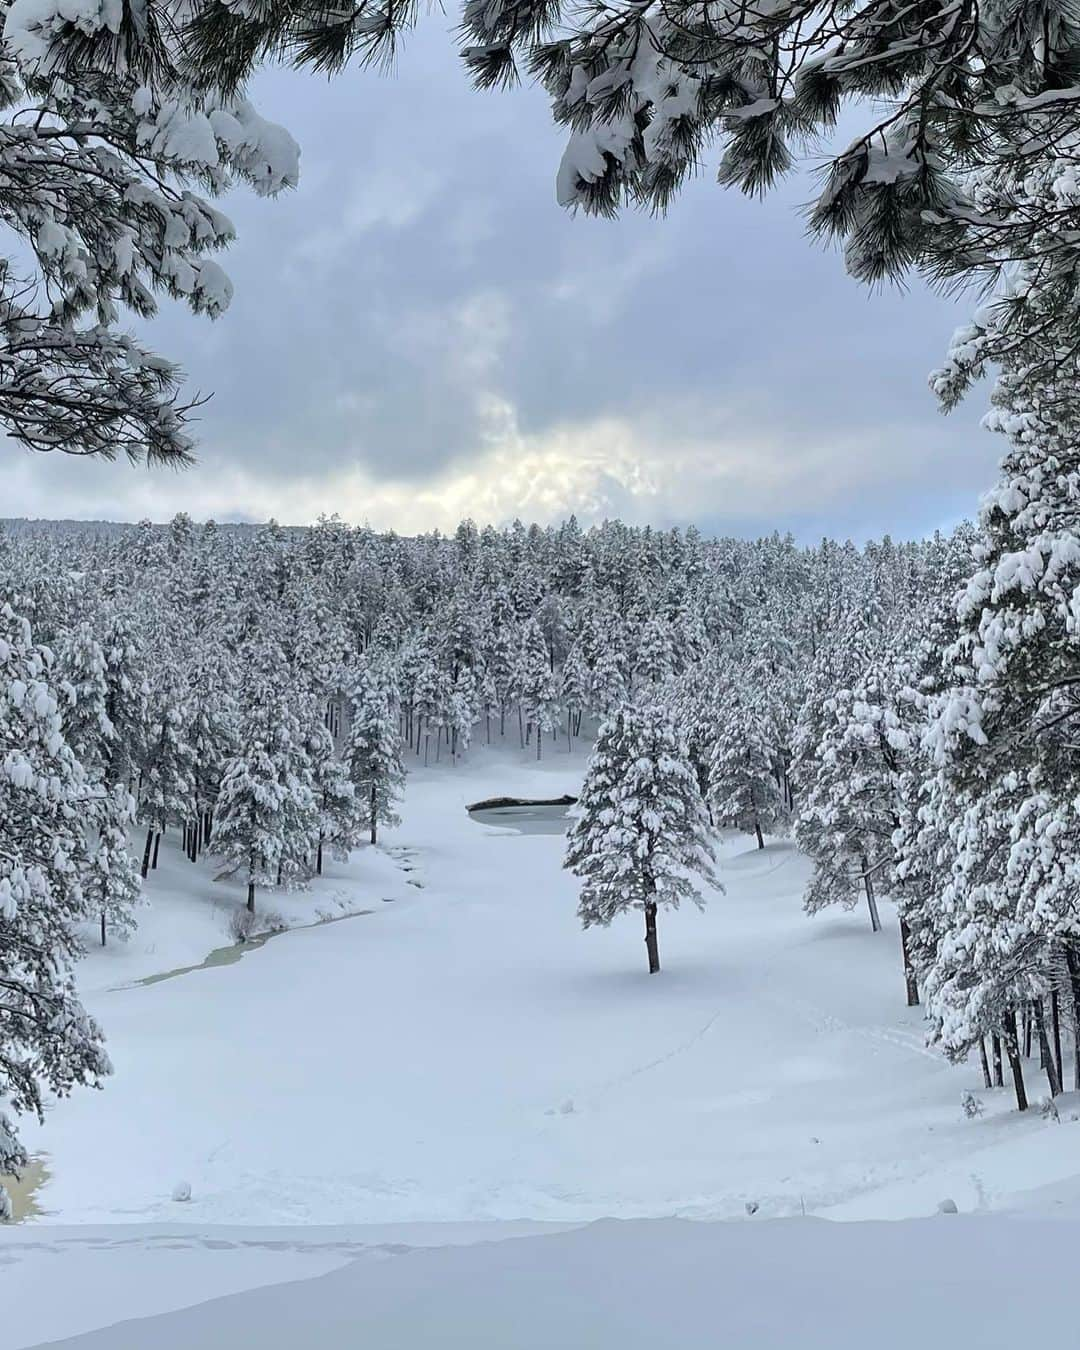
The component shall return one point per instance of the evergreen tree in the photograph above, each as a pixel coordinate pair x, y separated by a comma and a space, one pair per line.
49, 1044
265, 818
373, 756
535, 684
743, 785
339, 814
639, 833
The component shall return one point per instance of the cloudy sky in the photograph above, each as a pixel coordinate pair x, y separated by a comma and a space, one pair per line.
420, 333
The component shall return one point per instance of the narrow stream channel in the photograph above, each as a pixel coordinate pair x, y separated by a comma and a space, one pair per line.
227, 956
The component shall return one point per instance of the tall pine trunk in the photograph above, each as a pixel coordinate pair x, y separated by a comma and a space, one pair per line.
157, 846
910, 982
995, 1043
757, 831
987, 1082
374, 822
651, 945
146, 851
318, 858
871, 899
1016, 1067
1055, 1029
1053, 1076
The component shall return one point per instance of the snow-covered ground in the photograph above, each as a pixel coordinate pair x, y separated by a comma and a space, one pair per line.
931, 1283
463, 1054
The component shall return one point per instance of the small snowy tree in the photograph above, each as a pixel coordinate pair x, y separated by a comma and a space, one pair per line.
639, 835
372, 756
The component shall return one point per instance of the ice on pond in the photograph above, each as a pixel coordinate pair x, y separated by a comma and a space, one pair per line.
524, 819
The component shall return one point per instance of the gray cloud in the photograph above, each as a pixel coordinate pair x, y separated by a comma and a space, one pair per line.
420, 311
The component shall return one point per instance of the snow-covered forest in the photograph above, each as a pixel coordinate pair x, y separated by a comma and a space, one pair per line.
257, 695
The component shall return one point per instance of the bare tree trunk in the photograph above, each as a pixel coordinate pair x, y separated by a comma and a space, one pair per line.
1072, 960
318, 857
251, 884
539, 741
371, 803
871, 900
1027, 1033
1053, 1078
146, 851
521, 727
1012, 1050
984, 1062
910, 982
651, 945
1055, 1031
757, 831
157, 845
103, 928
995, 1043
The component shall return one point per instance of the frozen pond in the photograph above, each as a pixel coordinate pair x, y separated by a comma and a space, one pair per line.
524, 819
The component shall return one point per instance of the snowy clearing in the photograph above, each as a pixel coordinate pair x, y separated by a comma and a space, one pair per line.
465, 1052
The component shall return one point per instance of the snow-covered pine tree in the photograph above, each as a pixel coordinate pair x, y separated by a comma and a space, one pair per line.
111, 884
84, 687
126, 698
340, 822
48, 1043
372, 755
654, 655
850, 809
167, 785
535, 684
743, 786
574, 691
639, 835
265, 820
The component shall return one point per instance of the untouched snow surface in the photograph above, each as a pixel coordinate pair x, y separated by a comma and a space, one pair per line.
949, 1281
461, 1057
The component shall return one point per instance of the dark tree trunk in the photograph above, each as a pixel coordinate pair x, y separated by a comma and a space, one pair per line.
1055, 1031
539, 741
651, 944
371, 806
871, 899
251, 895
146, 851
157, 846
521, 727
999, 1080
1016, 1067
911, 984
103, 928
318, 858
984, 1062
1027, 1033
757, 831
1053, 1077
1072, 960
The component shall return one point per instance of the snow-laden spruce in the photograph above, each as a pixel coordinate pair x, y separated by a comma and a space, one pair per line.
639, 838
48, 1044
372, 755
